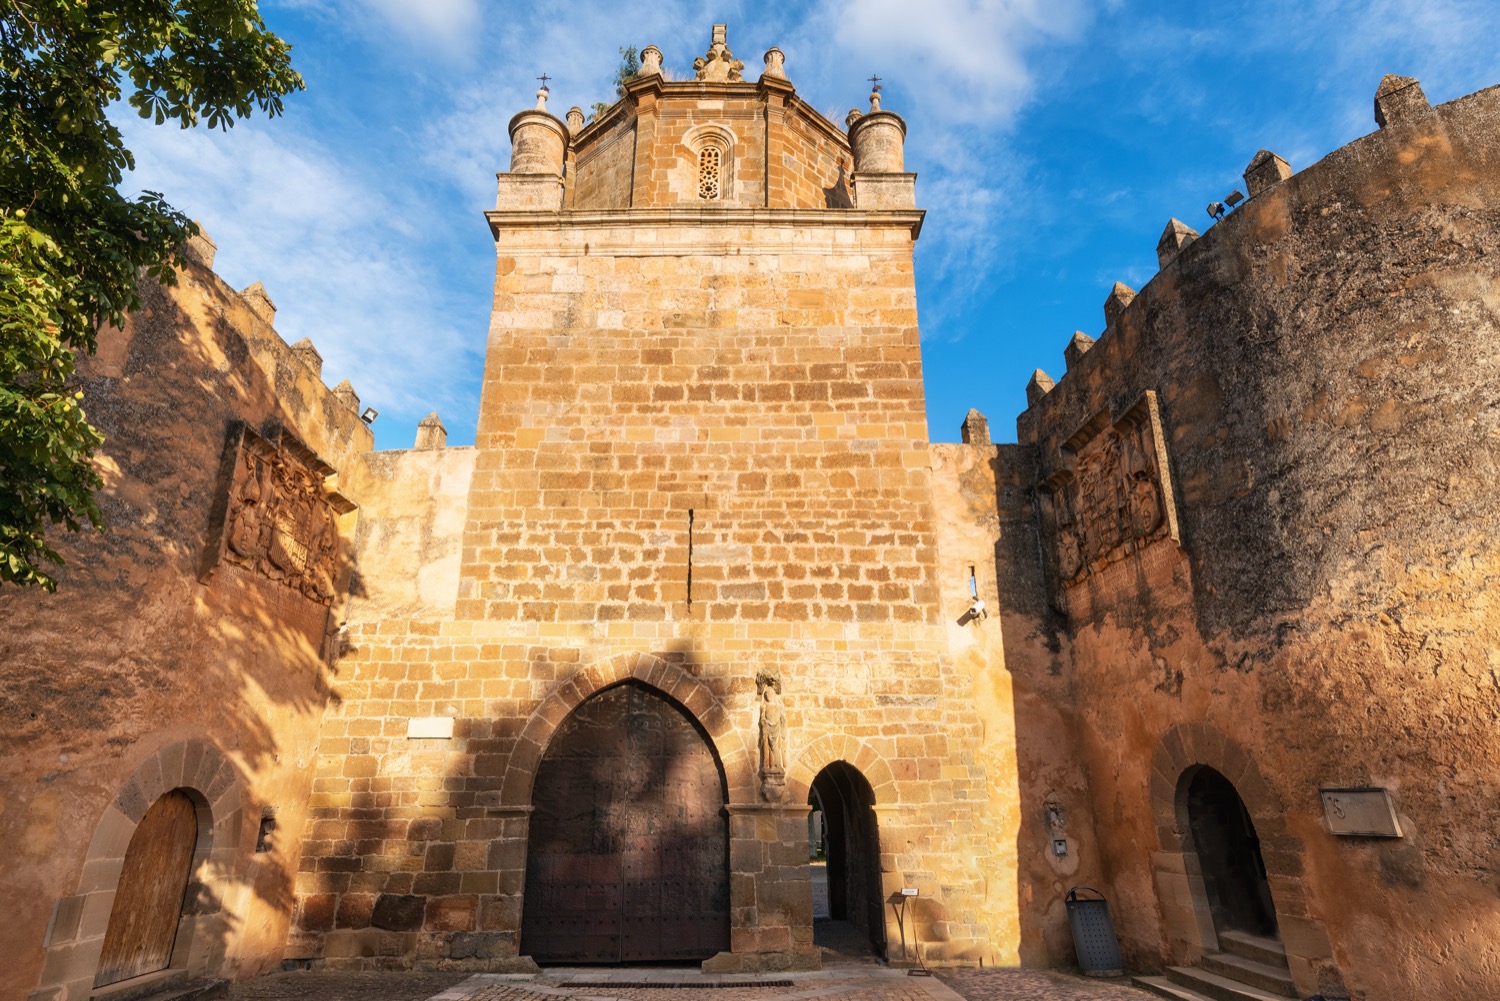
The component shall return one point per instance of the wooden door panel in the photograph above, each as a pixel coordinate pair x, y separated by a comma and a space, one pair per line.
148, 899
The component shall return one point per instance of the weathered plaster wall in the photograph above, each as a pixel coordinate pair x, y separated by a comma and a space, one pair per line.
134, 658
1324, 359
413, 507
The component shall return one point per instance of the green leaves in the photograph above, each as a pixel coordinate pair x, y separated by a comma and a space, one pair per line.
72, 248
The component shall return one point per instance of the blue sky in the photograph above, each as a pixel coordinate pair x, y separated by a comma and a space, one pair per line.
1053, 139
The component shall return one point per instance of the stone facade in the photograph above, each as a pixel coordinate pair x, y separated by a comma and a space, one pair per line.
702, 569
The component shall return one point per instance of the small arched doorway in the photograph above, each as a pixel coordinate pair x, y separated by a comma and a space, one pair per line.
149, 897
851, 839
1228, 851
628, 852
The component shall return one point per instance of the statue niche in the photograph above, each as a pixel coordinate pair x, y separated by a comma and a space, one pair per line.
1109, 494
280, 522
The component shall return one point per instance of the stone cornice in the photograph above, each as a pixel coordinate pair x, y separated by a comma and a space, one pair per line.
910, 219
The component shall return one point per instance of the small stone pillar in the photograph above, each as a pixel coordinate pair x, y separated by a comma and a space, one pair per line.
775, 63
201, 248
1039, 386
1077, 348
650, 62
1400, 98
537, 140
1265, 169
1120, 296
975, 430
575, 120
431, 433
878, 140
260, 302
304, 351
1177, 235
345, 394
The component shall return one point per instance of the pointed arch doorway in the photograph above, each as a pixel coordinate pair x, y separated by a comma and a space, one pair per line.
628, 850
1228, 851
851, 839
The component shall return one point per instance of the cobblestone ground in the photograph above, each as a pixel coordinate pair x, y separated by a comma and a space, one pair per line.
1037, 985
874, 984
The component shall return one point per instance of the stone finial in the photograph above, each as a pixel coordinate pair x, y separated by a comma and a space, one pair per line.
259, 302
775, 63
431, 433
1265, 169
201, 248
1077, 348
575, 120
1039, 386
718, 65
1398, 98
874, 100
542, 93
1120, 296
853, 116
650, 62
1177, 235
975, 430
345, 394
309, 356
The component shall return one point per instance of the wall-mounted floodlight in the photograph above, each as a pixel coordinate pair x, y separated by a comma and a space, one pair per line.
369, 415
1216, 209
1233, 198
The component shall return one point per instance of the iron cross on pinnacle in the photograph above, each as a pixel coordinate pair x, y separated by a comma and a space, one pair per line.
875, 83
544, 78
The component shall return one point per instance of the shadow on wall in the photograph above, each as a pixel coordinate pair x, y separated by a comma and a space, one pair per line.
136, 658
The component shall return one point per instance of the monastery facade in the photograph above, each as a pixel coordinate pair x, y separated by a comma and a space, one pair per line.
1217, 636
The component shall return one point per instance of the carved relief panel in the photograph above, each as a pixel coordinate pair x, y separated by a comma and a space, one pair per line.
1111, 494
281, 521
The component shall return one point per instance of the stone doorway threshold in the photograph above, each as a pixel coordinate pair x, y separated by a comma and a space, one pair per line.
870, 982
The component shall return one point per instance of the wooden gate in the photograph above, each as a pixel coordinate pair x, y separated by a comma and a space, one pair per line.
148, 899
628, 859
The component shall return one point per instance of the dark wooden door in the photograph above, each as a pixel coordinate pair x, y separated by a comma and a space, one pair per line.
628, 853
148, 899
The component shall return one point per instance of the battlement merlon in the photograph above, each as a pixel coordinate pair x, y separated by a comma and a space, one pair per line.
717, 141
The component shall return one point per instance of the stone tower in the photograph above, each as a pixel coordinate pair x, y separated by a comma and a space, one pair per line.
698, 575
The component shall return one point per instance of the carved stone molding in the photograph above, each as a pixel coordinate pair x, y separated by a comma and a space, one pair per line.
1111, 493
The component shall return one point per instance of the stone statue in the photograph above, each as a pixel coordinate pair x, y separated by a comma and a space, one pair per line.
772, 724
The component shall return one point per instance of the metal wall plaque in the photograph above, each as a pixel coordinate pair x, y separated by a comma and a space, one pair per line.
1364, 812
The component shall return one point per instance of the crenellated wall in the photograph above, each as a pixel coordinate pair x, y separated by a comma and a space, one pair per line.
179, 652
1268, 521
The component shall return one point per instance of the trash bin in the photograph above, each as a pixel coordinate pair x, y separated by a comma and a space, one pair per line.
1094, 935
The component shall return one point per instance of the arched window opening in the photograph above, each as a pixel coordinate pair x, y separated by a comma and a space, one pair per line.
710, 173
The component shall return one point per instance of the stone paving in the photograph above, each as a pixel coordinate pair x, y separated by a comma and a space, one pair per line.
870, 983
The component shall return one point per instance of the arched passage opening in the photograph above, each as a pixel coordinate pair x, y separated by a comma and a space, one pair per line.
851, 839
149, 898
628, 850
1228, 851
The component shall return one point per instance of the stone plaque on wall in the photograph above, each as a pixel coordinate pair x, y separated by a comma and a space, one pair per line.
1363, 812
280, 520
1112, 493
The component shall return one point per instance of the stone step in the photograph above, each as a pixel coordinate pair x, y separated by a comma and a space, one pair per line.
1162, 987
1216, 987
1261, 948
193, 990
1266, 976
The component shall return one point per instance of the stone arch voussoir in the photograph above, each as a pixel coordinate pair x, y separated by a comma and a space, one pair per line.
667, 678
76, 933
831, 747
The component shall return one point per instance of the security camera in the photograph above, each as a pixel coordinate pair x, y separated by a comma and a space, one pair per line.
977, 610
